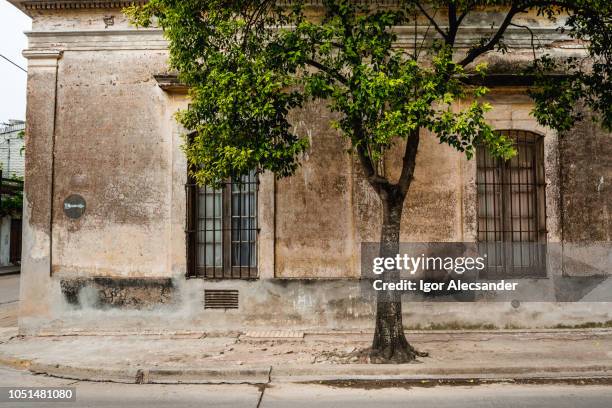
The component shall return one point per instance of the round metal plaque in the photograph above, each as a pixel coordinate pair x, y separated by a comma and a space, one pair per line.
74, 206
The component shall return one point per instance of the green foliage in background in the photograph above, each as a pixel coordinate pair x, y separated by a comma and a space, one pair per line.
12, 204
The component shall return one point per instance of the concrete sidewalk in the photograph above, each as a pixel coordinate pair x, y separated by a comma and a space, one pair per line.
259, 358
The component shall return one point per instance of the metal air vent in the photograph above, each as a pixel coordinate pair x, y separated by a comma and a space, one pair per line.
220, 299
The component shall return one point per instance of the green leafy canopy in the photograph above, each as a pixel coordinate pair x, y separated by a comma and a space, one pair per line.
250, 63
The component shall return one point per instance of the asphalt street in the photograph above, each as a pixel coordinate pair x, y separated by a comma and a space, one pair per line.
9, 288
9, 300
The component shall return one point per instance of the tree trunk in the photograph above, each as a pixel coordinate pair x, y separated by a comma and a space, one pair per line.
390, 344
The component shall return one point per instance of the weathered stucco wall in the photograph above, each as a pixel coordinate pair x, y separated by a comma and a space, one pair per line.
336, 209
585, 204
313, 208
100, 126
585, 155
112, 149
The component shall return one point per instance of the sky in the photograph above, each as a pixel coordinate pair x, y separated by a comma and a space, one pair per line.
12, 80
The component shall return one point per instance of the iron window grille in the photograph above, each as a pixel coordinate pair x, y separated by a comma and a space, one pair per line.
512, 209
222, 229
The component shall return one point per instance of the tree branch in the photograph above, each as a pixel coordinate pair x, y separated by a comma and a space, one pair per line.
532, 37
409, 162
250, 20
376, 181
452, 23
432, 21
517, 7
418, 53
334, 74
465, 12
477, 51
462, 16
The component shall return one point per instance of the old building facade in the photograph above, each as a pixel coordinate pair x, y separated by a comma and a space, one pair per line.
150, 251
11, 188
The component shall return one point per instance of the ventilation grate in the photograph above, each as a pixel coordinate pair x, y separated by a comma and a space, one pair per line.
220, 299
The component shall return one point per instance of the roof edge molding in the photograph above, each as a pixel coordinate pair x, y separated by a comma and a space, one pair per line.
28, 6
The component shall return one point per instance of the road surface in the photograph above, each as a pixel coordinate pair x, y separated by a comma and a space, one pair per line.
9, 300
9, 288
98, 395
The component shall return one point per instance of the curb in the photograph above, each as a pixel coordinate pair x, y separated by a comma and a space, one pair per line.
127, 376
458, 377
266, 375
255, 375
218, 375
258, 375
412, 371
244, 375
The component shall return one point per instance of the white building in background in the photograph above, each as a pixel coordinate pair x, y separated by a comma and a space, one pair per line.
12, 157
11, 148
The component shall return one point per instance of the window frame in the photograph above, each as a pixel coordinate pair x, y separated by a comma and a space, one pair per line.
226, 271
504, 187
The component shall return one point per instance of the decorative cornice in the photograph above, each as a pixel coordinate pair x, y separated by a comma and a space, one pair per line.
42, 58
110, 4
42, 54
75, 4
100, 33
170, 83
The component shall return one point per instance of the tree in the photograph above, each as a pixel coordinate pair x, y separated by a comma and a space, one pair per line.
249, 63
11, 196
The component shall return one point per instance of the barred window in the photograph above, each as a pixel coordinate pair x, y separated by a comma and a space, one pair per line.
512, 208
222, 229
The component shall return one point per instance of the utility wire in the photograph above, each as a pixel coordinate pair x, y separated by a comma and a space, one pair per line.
24, 70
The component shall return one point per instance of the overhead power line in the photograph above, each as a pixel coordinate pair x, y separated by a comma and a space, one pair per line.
23, 69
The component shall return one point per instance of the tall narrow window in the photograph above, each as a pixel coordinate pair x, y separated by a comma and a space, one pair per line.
222, 229
512, 208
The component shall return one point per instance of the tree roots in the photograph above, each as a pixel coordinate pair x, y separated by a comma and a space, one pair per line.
395, 355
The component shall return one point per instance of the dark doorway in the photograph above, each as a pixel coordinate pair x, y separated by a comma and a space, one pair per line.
15, 245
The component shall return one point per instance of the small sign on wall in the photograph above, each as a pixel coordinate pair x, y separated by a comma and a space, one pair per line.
74, 206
